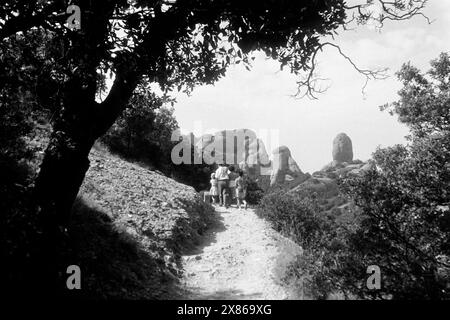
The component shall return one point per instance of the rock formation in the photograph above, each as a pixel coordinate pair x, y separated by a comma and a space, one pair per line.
233, 147
243, 149
323, 186
284, 167
240, 148
342, 148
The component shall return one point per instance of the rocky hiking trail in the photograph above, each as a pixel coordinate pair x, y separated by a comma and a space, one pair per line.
239, 257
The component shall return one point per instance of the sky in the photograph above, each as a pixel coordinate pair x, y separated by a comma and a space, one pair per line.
261, 99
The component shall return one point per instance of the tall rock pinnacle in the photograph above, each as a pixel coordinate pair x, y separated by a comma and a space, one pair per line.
342, 148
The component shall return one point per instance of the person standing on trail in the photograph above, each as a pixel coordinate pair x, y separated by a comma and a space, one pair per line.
214, 191
241, 190
223, 177
232, 183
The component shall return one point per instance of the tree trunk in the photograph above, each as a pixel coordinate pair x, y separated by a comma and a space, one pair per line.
61, 175
66, 162
81, 121
62, 172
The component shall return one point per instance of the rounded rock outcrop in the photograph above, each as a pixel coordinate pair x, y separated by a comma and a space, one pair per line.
342, 148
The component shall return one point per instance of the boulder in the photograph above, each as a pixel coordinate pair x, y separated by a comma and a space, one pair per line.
342, 148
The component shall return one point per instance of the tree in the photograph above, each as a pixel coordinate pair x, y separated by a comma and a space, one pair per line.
144, 129
424, 98
405, 200
178, 44
24, 71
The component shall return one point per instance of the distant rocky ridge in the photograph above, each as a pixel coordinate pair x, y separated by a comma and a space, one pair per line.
239, 147
323, 183
243, 149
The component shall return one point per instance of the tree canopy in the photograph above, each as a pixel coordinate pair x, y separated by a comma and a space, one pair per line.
187, 42
405, 199
425, 97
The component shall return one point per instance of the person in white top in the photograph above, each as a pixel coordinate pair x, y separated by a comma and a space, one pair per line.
222, 175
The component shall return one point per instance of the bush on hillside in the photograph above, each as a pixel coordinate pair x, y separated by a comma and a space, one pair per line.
292, 215
254, 193
322, 235
406, 227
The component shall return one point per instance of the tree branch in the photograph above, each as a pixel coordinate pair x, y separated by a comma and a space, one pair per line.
310, 81
29, 20
396, 10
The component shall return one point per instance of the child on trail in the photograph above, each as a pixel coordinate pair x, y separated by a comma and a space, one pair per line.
214, 191
241, 190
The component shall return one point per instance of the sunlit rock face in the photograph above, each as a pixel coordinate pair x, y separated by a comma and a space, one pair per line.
244, 150
323, 184
284, 168
240, 148
342, 148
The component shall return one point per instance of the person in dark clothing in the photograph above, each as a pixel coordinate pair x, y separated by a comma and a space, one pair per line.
241, 190
232, 183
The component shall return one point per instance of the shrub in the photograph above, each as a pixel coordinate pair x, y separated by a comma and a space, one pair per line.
293, 216
322, 235
254, 193
406, 227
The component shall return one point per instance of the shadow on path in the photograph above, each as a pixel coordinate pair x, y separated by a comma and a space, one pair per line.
225, 295
210, 235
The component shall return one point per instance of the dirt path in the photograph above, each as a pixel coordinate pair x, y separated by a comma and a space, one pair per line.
240, 257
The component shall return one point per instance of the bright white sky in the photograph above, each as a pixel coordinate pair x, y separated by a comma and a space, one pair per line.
261, 99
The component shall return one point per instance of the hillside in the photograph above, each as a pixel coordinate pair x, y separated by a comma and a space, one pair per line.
129, 227
137, 223
324, 185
